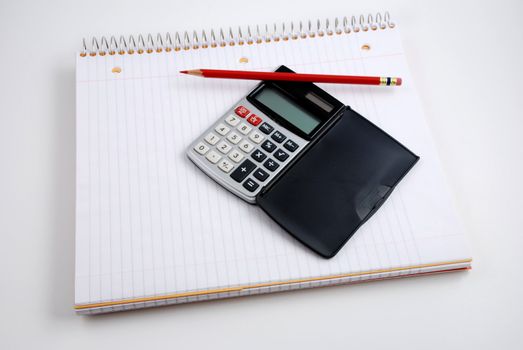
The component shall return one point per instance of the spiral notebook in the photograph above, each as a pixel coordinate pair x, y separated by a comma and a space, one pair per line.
151, 229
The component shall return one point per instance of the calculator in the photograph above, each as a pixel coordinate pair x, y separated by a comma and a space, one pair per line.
315, 166
261, 135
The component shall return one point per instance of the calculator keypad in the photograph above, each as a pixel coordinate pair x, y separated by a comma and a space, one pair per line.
248, 152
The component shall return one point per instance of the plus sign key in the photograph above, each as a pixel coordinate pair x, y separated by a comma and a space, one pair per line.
243, 170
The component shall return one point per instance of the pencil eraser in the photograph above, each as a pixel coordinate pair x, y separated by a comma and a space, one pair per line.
398, 81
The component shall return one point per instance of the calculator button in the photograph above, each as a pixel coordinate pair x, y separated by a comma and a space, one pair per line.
281, 155
243, 170
232, 120
250, 185
242, 111
244, 128
254, 119
212, 138
213, 157
224, 147
225, 165
278, 137
256, 136
236, 156
261, 174
222, 129
271, 165
234, 138
290, 145
258, 156
201, 148
246, 146
266, 128
269, 146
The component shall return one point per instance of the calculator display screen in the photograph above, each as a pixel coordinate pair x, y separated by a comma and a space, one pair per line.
288, 109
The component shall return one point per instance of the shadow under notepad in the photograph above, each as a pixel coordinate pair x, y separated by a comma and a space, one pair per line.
62, 193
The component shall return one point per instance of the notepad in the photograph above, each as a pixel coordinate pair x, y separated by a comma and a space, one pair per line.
151, 229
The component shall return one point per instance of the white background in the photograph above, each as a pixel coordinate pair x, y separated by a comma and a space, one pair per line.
466, 58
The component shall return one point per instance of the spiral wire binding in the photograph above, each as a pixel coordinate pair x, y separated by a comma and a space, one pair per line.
186, 41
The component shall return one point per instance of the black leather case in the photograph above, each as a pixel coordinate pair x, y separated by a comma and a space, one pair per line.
337, 184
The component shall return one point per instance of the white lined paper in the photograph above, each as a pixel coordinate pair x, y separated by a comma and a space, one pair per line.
150, 223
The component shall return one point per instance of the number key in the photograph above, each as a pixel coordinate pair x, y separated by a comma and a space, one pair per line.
222, 129
246, 146
244, 128
256, 136
232, 120
236, 156
224, 147
234, 138
212, 138
201, 148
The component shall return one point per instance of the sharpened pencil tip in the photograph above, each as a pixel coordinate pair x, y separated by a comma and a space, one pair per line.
184, 71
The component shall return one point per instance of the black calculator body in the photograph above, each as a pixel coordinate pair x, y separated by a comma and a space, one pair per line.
315, 166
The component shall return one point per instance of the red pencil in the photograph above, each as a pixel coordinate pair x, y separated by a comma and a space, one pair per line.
313, 78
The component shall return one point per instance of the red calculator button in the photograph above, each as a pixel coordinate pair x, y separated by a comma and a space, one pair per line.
242, 111
254, 119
